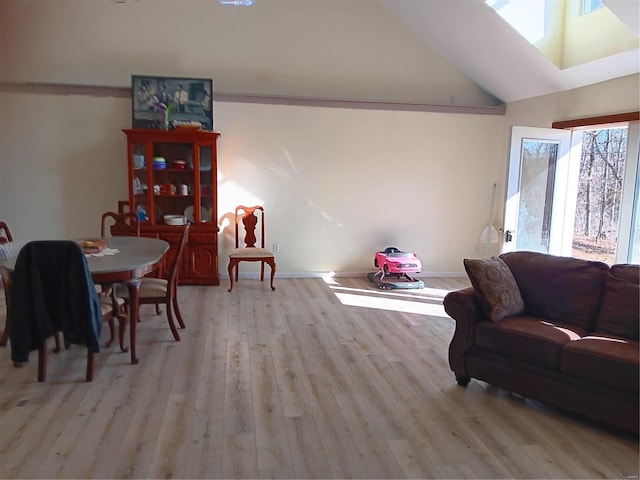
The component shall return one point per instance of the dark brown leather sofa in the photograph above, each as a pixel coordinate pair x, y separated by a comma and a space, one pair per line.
574, 344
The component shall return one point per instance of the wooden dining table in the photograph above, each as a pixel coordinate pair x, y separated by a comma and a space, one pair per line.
127, 260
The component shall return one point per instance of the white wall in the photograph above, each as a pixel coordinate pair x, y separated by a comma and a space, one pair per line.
615, 96
337, 184
340, 184
61, 163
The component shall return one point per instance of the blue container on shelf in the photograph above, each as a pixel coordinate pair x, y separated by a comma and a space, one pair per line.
159, 163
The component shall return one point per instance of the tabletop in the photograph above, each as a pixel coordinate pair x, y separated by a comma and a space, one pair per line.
134, 253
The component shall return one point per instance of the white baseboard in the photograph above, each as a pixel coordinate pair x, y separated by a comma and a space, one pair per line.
256, 275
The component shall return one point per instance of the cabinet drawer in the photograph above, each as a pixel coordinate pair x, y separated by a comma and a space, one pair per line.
209, 238
172, 238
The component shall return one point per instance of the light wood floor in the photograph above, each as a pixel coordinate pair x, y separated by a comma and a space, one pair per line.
314, 380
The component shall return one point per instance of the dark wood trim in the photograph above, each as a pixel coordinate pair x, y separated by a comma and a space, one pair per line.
601, 120
125, 92
65, 89
359, 104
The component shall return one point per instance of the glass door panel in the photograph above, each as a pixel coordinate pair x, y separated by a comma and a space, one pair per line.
539, 191
206, 183
536, 195
634, 250
172, 179
140, 181
628, 245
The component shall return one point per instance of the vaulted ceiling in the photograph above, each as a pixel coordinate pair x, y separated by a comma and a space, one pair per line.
488, 50
438, 52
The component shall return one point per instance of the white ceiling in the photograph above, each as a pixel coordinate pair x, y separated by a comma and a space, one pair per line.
425, 52
481, 45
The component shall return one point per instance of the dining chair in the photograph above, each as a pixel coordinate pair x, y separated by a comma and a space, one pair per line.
5, 233
163, 290
113, 308
5, 237
250, 217
118, 224
122, 224
52, 291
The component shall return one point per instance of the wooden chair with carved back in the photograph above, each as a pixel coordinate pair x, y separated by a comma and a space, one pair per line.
250, 217
5, 234
120, 224
159, 291
5, 237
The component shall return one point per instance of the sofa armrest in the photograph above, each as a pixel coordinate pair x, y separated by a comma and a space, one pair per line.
463, 306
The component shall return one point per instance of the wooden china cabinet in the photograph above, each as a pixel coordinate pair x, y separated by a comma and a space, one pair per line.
174, 173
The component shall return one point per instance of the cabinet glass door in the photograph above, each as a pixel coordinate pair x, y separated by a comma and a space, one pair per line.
206, 183
172, 180
140, 181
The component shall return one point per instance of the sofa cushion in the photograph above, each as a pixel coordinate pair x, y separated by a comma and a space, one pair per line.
620, 309
528, 339
495, 286
563, 289
605, 360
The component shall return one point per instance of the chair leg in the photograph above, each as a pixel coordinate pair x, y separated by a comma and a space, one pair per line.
90, 365
177, 310
272, 264
172, 325
122, 327
230, 270
111, 332
5, 333
56, 336
42, 361
262, 271
7, 303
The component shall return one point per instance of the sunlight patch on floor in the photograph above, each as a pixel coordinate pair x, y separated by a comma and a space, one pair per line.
423, 301
394, 304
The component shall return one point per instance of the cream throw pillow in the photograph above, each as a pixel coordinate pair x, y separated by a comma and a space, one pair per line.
495, 286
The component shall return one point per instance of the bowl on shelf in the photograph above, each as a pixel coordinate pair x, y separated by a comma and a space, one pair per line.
180, 165
175, 219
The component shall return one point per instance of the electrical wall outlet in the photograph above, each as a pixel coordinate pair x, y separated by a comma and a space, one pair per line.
276, 248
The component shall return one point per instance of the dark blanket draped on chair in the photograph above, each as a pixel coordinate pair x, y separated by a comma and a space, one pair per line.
53, 292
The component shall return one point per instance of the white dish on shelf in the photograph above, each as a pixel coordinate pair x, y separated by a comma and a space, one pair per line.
175, 219
205, 214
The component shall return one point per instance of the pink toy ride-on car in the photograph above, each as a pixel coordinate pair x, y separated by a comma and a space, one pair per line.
392, 260
395, 269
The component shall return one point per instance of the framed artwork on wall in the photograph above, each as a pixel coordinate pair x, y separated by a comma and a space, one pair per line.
166, 102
